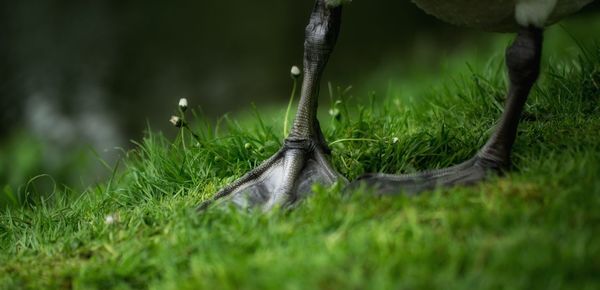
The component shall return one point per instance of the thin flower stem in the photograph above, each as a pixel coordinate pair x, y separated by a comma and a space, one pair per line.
193, 133
182, 131
289, 108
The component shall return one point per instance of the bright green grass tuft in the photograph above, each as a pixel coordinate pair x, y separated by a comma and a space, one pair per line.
537, 228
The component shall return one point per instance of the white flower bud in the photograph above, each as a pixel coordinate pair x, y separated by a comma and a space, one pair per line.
176, 121
295, 72
111, 219
183, 104
395, 140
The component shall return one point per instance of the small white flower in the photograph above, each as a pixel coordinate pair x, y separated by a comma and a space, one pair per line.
295, 72
395, 140
183, 104
111, 219
176, 121
334, 112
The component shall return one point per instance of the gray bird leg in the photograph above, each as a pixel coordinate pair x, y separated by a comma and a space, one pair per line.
288, 176
523, 63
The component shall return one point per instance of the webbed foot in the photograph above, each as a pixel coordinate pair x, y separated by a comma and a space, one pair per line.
284, 179
470, 172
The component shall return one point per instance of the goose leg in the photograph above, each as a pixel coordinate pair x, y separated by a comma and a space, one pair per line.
523, 63
289, 174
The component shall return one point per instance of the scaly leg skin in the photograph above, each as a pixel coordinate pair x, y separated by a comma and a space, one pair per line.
523, 63
288, 176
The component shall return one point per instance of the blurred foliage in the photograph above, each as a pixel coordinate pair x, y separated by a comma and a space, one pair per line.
29, 172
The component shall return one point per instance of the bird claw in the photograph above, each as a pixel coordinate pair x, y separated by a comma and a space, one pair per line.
283, 180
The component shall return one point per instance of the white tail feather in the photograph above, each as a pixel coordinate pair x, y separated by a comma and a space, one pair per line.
534, 12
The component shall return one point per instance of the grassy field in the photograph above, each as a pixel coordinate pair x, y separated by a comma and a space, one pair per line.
537, 228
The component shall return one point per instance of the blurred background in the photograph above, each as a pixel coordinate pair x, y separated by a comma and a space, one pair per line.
80, 79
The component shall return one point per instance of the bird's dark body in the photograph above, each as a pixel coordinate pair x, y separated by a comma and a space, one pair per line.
493, 15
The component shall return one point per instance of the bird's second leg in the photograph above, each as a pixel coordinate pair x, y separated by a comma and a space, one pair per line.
523, 63
289, 174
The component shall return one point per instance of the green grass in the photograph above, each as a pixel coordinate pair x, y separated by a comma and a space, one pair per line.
537, 228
